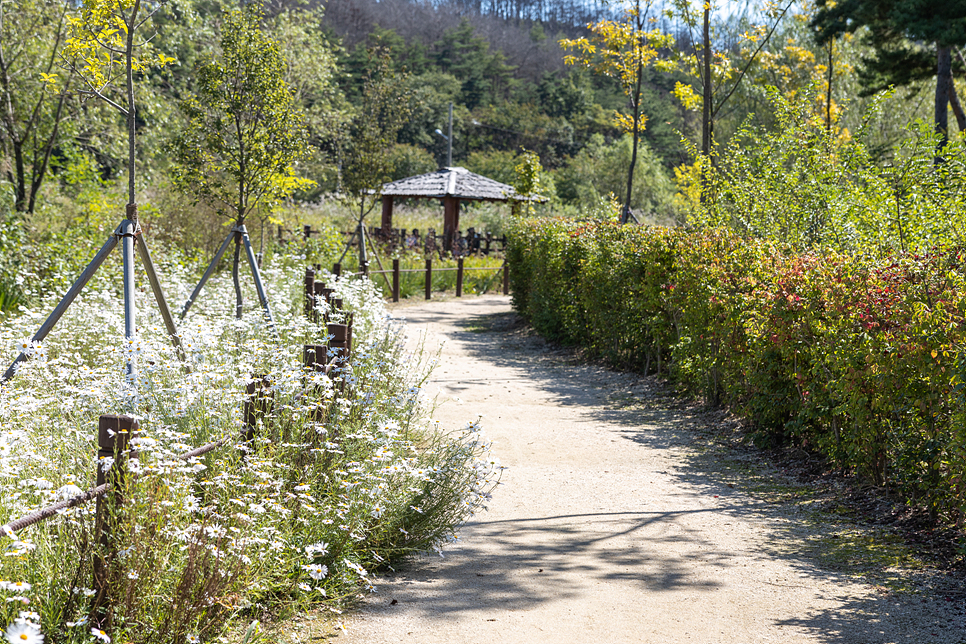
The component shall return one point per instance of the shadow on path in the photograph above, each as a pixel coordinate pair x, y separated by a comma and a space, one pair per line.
528, 575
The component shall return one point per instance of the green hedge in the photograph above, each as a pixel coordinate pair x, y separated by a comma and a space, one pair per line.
859, 358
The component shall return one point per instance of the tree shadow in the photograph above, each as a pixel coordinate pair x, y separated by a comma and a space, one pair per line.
540, 571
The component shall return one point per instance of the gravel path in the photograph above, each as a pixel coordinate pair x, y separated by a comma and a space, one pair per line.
603, 529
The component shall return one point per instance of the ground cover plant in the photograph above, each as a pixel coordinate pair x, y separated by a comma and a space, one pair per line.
858, 357
345, 475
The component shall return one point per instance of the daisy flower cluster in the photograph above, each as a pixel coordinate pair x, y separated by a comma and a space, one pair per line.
344, 475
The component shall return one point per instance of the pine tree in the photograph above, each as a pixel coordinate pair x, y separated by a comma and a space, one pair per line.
913, 40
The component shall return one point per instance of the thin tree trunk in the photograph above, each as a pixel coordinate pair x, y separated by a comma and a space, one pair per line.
706, 121
40, 172
828, 91
707, 118
131, 123
20, 202
943, 82
626, 215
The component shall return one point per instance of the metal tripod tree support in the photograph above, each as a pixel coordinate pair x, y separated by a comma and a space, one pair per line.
129, 235
240, 236
362, 235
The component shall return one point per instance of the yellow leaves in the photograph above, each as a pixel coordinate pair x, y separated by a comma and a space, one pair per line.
615, 49
96, 46
800, 55
290, 183
48, 79
626, 121
686, 94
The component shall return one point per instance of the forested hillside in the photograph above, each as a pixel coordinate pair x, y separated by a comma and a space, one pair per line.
373, 81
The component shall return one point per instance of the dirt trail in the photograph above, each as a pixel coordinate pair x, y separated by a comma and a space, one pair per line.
603, 530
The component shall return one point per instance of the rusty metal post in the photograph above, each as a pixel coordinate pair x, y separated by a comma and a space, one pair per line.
113, 437
459, 277
322, 295
395, 280
313, 355
309, 292
506, 278
429, 278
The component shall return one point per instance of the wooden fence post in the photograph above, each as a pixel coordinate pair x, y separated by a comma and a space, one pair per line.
307, 232
259, 399
113, 437
429, 278
280, 231
337, 269
322, 295
459, 277
395, 280
309, 292
506, 278
339, 344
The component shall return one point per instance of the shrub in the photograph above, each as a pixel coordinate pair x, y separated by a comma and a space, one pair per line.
858, 357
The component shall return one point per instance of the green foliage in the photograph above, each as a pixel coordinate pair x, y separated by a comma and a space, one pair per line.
498, 165
811, 185
366, 156
484, 74
857, 357
512, 126
530, 181
245, 130
13, 238
901, 33
601, 169
34, 92
409, 160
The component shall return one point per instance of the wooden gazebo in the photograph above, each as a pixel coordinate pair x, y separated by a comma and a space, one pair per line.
452, 185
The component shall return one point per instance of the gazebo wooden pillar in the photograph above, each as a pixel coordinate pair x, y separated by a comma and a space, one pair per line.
386, 215
451, 185
451, 221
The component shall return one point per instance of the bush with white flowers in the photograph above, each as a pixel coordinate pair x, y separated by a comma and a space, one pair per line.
345, 475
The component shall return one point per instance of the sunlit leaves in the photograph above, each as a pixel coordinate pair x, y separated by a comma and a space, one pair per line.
619, 49
245, 130
100, 38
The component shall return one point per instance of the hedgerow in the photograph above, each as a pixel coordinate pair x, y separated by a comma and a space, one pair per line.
861, 358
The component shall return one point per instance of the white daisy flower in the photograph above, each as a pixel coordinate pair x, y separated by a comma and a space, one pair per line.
23, 632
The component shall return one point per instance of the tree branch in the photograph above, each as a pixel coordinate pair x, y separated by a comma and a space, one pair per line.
752, 59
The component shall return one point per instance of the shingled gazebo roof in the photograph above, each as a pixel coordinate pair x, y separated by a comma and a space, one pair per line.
450, 182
